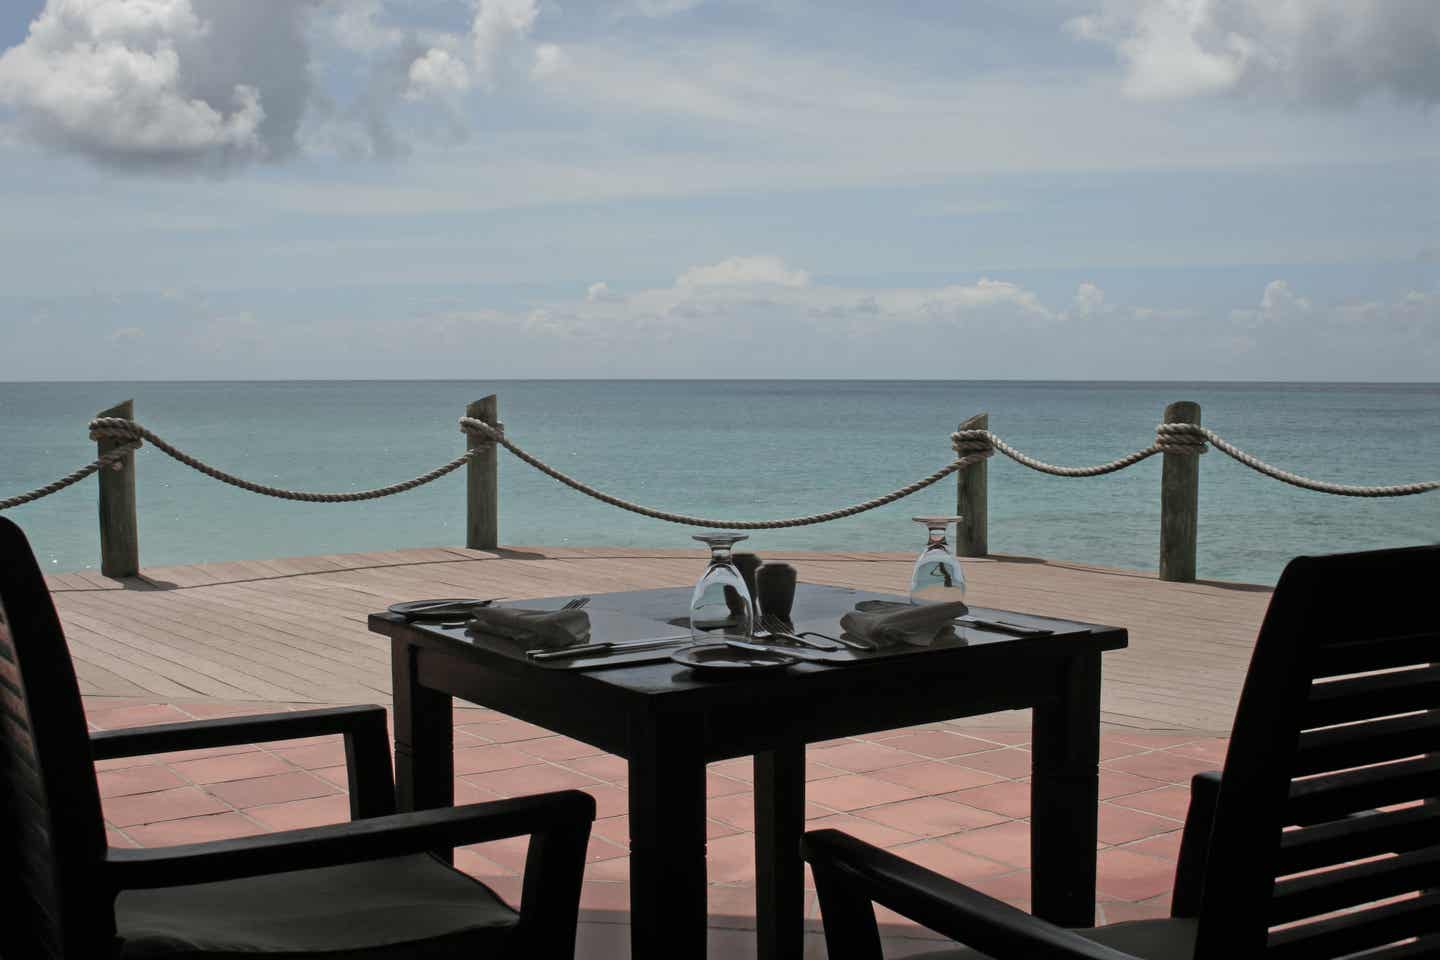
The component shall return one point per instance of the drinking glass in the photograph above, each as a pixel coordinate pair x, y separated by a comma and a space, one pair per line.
937, 577
721, 606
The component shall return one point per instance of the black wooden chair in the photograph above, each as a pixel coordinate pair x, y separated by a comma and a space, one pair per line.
1319, 839
366, 890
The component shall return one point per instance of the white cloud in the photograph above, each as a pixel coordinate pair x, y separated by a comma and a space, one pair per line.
200, 83
601, 293
496, 24
1328, 51
453, 63
986, 294
437, 72
744, 272
1278, 304
355, 25
125, 335
213, 84
549, 61
1089, 301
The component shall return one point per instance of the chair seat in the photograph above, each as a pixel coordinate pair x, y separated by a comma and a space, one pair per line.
1147, 939
410, 907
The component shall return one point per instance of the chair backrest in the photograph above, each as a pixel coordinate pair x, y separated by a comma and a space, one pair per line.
1325, 841
52, 839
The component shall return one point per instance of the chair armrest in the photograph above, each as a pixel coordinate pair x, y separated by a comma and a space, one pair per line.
850, 870
375, 838
1195, 844
367, 744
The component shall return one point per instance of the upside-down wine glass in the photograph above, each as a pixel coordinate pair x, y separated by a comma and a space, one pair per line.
721, 606
937, 577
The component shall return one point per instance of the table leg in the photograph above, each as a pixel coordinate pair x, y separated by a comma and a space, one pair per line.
779, 869
424, 737
667, 840
1064, 796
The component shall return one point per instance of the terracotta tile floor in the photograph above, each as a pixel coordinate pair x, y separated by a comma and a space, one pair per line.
951, 796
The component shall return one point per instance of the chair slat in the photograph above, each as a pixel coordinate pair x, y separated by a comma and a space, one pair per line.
28, 788
1352, 932
1334, 795
11, 691
9, 669
1352, 885
1380, 653
1393, 831
17, 739
15, 716
1375, 695
1360, 744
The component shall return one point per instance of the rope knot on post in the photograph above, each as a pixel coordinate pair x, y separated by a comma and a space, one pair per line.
973, 443
117, 428
482, 432
1184, 438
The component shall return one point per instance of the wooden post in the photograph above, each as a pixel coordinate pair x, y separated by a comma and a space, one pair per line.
119, 531
972, 535
482, 486
1179, 502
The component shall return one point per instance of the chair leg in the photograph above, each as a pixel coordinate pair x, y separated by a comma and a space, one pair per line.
550, 894
849, 917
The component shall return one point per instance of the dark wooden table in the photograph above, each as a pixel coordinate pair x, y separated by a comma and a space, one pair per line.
669, 724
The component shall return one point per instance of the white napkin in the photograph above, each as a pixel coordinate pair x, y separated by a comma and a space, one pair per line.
918, 625
545, 629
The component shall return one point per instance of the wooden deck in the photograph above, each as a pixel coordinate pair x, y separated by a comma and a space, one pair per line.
221, 639
293, 630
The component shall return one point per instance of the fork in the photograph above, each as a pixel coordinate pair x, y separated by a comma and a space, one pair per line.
777, 627
575, 604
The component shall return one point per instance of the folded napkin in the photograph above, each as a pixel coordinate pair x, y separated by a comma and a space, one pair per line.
899, 623
545, 629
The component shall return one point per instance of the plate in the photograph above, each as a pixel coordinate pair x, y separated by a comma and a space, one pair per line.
445, 609
718, 658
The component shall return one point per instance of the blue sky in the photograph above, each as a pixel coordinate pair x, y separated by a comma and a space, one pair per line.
1093, 189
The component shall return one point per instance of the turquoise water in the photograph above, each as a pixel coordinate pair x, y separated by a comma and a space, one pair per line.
742, 449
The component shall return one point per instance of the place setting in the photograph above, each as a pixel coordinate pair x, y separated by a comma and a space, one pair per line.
746, 615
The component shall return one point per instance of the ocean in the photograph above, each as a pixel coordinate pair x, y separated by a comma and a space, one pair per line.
743, 449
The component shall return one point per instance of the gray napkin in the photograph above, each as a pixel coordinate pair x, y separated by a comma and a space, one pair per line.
918, 626
543, 629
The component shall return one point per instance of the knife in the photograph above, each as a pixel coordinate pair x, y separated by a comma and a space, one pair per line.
798, 654
1004, 626
587, 649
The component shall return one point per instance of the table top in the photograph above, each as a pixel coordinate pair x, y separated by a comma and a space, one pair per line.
645, 614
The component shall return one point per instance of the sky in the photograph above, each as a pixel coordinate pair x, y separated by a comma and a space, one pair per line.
994, 189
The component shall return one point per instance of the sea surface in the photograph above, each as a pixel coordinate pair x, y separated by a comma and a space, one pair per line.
746, 449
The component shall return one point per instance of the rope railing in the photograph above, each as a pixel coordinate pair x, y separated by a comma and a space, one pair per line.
971, 446
475, 427
99, 463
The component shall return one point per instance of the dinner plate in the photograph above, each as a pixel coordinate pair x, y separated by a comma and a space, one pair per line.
718, 658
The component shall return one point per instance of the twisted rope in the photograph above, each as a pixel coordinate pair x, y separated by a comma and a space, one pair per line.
1295, 479
984, 443
971, 447
480, 428
116, 428
114, 456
